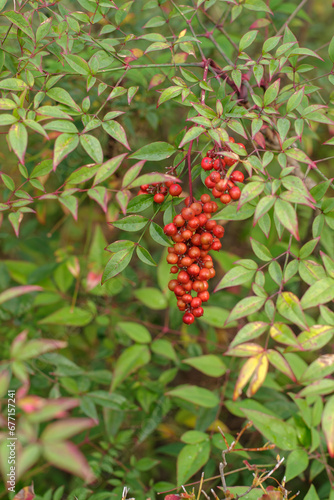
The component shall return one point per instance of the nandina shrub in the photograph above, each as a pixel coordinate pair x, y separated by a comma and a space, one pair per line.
167, 229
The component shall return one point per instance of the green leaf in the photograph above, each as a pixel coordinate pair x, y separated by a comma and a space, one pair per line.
190, 459
66, 428
308, 248
129, 361
257, 5
322, 387
78, 64
155, 151
60, 95
249, 332
115, 130
287, 216
82, 174
275, 272
13, 84
135, 331
319, 369
282, 333
168, 94
320, 292
208, 364
132, 173
64, 145
145, 256
289, 307
92, 146
164, 348
296, 463
6, 104
283, 126
18, 139
68, 316
263, 206
245, 307
151, 297
271, 93
215, 316
315, 338
7, 119
196, 395
247, 40
108, 168
140, 203
295, 100
71, 203
118, 262
66, 456
20, 21
238, 275
17, 291
191, 134
158, 235
107, 399
131, 223
261, 251
251, 191
331, 50
231, 212
273, 429
312, 494
100, 195
194, 437
328, 425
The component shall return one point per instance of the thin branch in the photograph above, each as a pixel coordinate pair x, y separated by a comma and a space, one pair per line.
294, 13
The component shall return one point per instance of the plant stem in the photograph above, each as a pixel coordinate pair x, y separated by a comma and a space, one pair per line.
189, 171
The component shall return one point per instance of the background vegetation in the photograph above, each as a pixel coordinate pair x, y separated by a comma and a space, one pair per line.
112, 389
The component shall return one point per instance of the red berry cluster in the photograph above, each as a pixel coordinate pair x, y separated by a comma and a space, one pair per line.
221, 187
194, 234
160, 190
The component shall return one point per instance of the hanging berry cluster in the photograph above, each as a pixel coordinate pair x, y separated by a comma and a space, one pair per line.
220, 186
194, 235
160, 190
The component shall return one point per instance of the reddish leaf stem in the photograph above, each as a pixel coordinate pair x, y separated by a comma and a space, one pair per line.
189, 171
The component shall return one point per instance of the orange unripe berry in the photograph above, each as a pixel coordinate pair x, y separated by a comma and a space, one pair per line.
225, 198
172, 284
180, 248
198, 286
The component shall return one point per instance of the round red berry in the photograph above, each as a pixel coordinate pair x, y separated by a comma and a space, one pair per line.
237, 176
175, 190
235, 193
207, 163
188, 318
170, 229
158, 197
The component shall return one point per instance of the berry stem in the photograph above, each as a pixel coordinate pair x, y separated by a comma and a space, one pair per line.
189, 171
